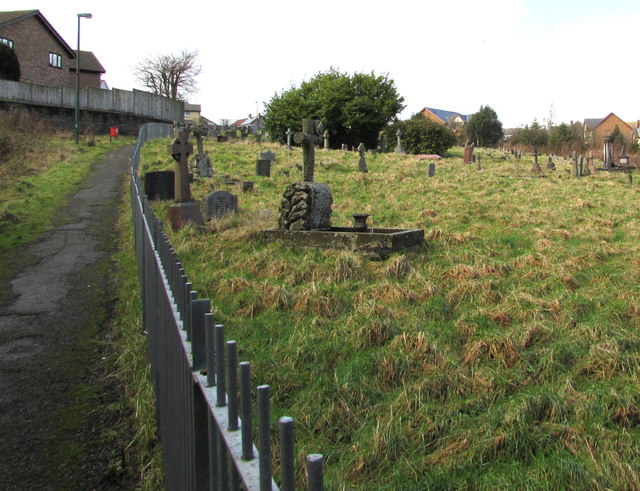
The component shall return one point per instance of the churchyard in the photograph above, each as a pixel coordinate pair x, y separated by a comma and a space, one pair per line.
503, 352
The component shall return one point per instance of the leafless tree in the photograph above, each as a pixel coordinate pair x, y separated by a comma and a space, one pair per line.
172, 75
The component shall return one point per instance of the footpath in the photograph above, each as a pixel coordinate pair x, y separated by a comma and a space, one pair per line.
58, 404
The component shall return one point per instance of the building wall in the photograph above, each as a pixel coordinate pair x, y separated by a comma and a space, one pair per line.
609, 124
86, 79
33, 42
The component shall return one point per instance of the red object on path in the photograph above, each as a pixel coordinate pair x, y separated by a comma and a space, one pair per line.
113, 131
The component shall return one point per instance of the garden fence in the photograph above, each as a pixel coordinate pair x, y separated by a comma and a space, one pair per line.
206, 438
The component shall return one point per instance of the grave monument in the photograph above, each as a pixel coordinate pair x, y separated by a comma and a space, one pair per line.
362, 163
184, 209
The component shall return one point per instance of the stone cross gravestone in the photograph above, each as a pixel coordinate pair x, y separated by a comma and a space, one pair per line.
310, 135
203, 162
185, 209
219, 203
362, 163
307, 205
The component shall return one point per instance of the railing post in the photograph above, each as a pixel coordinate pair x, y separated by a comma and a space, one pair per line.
264, 437
287, 473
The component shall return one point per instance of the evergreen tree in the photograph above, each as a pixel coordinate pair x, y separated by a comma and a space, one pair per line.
484, 127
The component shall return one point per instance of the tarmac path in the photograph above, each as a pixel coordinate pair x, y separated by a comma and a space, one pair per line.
58, 404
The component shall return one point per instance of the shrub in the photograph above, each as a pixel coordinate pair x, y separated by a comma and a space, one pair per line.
421, 135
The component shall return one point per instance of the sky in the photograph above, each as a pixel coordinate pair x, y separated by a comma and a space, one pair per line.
564, 60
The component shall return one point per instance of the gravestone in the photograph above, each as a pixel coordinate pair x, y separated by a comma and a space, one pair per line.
431, 170
608, 151
307, 205
468, 153
159, 184
362, 163
325, 136
185, 209
289, 135
399, 148
203, 162
383, 143
263, 167
247, 186
269, 155
550, 164
219, 203
478, 161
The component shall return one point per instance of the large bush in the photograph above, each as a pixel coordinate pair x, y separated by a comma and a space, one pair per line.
421, 135
484, 128
353, 108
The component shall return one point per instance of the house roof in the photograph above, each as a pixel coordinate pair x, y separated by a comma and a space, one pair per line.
446, 116
193, 107
245, 121
7, 18
88, 62
591, 124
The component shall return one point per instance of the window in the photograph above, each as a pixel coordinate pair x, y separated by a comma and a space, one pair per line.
8, 42
55, 60
187, 114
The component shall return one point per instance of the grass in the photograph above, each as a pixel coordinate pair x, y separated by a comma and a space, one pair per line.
503, 353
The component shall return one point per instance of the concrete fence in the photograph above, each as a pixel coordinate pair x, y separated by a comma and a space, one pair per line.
135, 103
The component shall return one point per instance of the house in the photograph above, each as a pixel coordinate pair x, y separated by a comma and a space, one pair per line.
253, 124
45, 57
447, 118
596, 129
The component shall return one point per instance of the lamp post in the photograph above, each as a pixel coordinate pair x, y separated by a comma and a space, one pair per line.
77, 119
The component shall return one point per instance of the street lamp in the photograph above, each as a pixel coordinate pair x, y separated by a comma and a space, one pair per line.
77, 120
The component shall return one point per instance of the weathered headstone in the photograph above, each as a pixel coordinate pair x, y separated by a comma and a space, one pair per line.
399, 148
263, 167
468, 153
268, 155
203, 162
289, 135
159, 184
185, 209
550, 164
325, 137
219, 203
478, 162
608, 151
431, 170
247, 186
362, 163
383, 143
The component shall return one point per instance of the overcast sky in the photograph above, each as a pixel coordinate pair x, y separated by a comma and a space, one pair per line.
526, 59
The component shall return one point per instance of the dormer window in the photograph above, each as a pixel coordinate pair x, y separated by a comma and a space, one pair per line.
55, 60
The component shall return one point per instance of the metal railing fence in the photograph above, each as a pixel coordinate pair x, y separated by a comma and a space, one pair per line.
197, 378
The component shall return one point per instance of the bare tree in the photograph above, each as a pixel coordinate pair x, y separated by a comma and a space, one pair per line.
172, 75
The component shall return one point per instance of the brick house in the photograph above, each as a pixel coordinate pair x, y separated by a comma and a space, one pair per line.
596, 129
447, 118
45, 57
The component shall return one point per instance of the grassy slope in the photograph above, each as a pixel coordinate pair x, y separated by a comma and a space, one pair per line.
503, 353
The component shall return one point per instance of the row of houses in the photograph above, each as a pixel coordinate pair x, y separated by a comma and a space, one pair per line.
594, 128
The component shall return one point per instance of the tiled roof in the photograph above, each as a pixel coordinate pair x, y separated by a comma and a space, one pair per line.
88, 62
591, 123
446, 116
